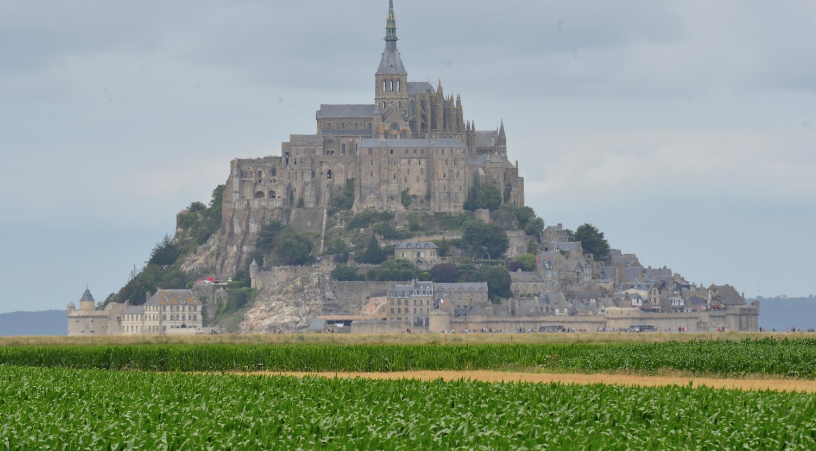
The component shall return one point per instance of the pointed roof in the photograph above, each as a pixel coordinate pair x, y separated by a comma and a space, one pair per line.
87, 297
391, 62
502, 135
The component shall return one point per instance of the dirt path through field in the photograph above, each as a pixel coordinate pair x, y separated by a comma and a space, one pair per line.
619, 379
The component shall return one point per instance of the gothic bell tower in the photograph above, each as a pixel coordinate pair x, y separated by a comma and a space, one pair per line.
391, 80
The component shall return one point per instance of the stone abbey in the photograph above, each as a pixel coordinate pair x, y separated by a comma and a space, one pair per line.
412, 140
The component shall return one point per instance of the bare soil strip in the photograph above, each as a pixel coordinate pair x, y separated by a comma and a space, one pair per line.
781, 385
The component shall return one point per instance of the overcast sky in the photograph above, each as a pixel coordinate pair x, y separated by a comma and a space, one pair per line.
686, 131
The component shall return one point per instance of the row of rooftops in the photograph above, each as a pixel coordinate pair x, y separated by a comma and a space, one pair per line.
430, 288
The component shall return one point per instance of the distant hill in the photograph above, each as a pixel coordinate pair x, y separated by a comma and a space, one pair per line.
780, 314
50, 322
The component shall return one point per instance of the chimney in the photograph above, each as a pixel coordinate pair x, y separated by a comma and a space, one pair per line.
559, 225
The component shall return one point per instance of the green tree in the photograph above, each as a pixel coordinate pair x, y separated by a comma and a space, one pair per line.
405, 198
396, 270
570, 235
592, 241
345, 273
373, 254
196, 207
483, 196
266, 237
532, 247
525, 215
534, 227
481, 239
444, 273
498, 283
165, 253
293, 247
525, 262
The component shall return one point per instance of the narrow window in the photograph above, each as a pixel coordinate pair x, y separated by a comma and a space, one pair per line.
392, 85
398, 86
344, 149
384, 82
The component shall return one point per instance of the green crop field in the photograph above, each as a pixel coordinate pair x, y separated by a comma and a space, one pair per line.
56, 408
781, 358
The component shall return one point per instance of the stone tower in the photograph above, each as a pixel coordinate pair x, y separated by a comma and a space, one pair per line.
391, 80
87, 303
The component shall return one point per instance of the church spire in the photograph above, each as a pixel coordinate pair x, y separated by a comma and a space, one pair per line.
391, 23
391, 63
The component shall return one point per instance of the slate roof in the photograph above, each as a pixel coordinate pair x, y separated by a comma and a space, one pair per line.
406, 143
362, 111
420, 87
479, 160
569, 246
87, 297
308, 140
486, 138
697, 300
173, 297
364, 133
134, 310
555, 298
525, 276
419, 245
391, 62
475, 286
402, 291
632, 272
317, 324
726, 294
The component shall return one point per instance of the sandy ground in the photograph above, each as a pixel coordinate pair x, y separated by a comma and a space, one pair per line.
784, 385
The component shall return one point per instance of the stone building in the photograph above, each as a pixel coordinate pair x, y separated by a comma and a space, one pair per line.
410, 304
166, 312
423, 254
413, 140
463, 297
526, 283
90, 320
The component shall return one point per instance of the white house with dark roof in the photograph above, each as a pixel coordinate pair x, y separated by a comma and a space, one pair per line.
423, 254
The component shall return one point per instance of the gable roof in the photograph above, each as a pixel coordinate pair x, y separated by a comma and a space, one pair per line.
525, 276
173, 297
418, 143
417, 245
349, 110
420, 87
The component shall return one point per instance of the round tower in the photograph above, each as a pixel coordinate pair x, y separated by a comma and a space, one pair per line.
87, 302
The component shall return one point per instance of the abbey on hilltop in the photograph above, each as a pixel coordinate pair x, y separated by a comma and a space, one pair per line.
382, 188
411, 139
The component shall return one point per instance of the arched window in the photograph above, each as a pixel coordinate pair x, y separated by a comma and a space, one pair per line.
399, 104
399, 87
273, 195
344, 149
392, 85
260, 174
274, 173
259, 195
384, 84
328, 175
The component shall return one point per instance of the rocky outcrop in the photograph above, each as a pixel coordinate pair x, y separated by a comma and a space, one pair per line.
289, 305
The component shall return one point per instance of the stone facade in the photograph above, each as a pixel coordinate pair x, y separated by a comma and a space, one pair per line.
412, 141
166, 312
181, 314
410, 304
423, 254
90, 320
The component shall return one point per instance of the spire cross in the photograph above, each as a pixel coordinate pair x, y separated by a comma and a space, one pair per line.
391, 23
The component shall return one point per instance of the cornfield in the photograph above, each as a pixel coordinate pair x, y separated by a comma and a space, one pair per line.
786, 358
58, 408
